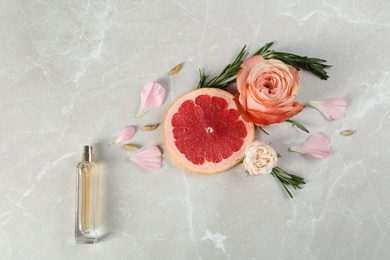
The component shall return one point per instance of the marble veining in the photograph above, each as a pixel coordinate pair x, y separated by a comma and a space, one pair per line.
71, 73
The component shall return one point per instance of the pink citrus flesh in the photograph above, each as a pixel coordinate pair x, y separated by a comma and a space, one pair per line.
204, 133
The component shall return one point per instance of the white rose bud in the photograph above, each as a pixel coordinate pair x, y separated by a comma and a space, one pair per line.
260, 158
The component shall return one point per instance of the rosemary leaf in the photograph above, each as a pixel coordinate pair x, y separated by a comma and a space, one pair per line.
282, 174
277, 177
297, 124
314, 65
263, 49
228, 74
287, 179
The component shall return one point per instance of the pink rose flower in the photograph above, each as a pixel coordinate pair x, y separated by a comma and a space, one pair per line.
267, 91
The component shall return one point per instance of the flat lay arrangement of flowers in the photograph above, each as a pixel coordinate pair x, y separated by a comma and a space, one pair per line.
212, 128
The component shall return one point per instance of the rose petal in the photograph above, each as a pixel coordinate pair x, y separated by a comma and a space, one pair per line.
263, 115
126, 134
245, 115
150, 158
332, 108
251, 62
241, 78
317, 145
152, 95
298, 107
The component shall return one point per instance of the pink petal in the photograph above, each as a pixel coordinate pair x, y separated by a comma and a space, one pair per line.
331, 109
150, 158
126, 134
317, 145
152, 95
251, 62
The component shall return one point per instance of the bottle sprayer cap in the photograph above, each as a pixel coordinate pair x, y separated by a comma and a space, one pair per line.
88, 154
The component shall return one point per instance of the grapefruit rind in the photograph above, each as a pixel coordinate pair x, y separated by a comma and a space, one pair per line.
207, 167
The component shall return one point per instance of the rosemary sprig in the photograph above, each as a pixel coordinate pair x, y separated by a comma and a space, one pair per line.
264, 49
314, 65
229, 73
287, 179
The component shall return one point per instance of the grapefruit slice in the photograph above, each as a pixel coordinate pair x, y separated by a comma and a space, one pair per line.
204, 133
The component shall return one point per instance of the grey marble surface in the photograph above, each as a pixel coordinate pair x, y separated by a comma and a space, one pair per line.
71, 73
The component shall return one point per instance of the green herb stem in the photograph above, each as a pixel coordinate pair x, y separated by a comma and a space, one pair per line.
287, 179
297, 124
265, 132
229, 73
227, 76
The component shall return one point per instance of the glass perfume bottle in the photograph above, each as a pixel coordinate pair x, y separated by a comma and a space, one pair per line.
86, 199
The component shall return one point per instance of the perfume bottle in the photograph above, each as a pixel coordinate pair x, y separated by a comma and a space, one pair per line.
86, 199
